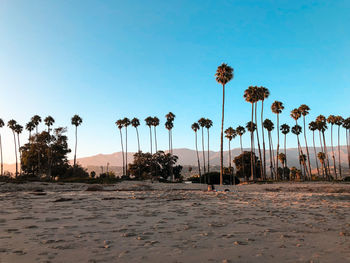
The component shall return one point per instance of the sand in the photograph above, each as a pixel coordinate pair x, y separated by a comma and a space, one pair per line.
144, 222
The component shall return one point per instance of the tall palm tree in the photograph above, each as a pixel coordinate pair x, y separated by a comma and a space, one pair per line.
224, 74
322, 127
264, 94
202, 122
135, 122
240, 131
18, 131
149, 123
169, 126
49, 121
313, 128
30, 127
155, 123
296, 129
126, 123
321, 156
2, 124
339, 121
304, 110
195, 128
269, 126
277, 108
257, 99
285, 129
208, 125
230, 134
76, 121
250, 95
12, 125
170, 117
251, 127
120, 126
331, 120
346, 126
36, 120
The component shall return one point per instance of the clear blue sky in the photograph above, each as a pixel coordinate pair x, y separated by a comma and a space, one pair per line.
108, 59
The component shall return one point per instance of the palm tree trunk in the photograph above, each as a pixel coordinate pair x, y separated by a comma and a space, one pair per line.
199, 164
257, 136
138, 139
339, 152
121, 143
271, 156
155, 138
347, 133
2, 161
240, 140
208, 151
278, 145
20, 155
285, 149
14, 138
313, 139
150, 137
229, 157
39, 162
222, 137
307, 148
322, 150
203, 152
76, 144
299, 153
126, 151
251, 146
333, 157
326, 153
263, 137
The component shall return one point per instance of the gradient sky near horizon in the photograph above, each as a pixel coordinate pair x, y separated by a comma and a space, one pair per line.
105, 60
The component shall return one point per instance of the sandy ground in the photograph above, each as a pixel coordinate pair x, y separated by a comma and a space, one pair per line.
144, 222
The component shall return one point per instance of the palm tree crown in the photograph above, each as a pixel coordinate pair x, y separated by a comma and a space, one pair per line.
277, 107
230, 133
268, 124
240, 130
285, 129
135, 122
296, 129
195, 127
224, 74
76, 120
304, 109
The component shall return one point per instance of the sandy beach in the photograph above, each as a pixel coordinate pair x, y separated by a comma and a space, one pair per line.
145, 222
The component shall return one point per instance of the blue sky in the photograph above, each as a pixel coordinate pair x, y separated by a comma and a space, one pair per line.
105, 60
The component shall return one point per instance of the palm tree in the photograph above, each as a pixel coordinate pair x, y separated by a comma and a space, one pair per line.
155, 123
339, 121
202, 122
120, 125
12, 125
135, 122
170, 118
257, 98
269, 126
208, 125
296, 129
76, 121
30, 127
224, 74
250, 95
331, 120
49, 121
195, 128
2, 124
240, 131
18, 131
277, 108
282, 158
321, 156
285, 129
322, 127
302, 160
264, 93
304, 110
251, 127
169, 126
36, 119
126, 123
346, 126
149, 123
230, 134
313, 128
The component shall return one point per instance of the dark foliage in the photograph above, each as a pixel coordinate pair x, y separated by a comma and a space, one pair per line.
243, 163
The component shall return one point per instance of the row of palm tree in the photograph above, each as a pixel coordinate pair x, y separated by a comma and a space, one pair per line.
150, 122
32, 125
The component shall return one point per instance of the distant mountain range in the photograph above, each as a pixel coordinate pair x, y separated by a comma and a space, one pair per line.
188, 157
